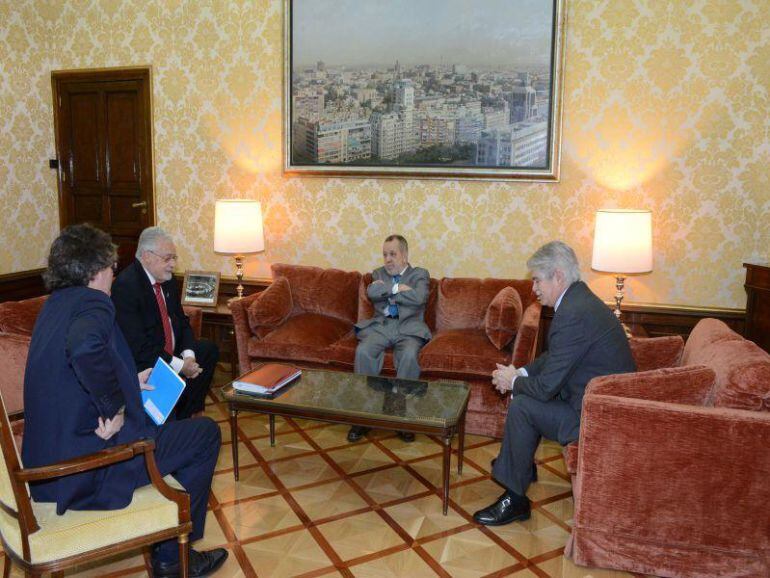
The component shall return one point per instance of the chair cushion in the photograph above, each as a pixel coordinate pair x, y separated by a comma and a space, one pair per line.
342, 353
656, 352
82, 531
329, 292
706, 332
503, 317
271, 307
20, 316
304, 337
463, 302
461, 353
742, 371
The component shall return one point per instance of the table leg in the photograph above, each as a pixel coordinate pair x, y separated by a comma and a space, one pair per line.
445, 469
272, 430
460, 444
234, 438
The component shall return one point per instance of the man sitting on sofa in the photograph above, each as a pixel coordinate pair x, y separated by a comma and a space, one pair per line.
149, 312
585, 340
399, 293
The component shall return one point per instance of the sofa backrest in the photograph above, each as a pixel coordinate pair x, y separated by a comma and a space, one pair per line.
462, 302
19, 316
366, 309
742, 368
331, 292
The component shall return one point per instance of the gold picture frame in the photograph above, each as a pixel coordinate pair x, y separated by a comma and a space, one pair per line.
200, 288
479, 98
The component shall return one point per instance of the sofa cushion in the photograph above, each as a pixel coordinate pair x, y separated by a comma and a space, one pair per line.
329, 292
463, 302
459, 353
366, 309
19, 316
271, 307
303, 337
656, 352
503, 317
743, 374
705, 332
342, 354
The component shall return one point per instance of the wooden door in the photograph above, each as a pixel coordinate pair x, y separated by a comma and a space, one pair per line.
103, 126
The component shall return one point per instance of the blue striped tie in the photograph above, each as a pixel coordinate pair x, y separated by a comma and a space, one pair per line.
393, 308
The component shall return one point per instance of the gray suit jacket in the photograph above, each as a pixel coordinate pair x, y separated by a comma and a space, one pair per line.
585, 340
411, 304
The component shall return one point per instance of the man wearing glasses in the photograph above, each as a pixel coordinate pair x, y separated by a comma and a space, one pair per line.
149, 312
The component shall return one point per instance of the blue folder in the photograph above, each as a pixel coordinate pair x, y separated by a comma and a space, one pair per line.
160, 402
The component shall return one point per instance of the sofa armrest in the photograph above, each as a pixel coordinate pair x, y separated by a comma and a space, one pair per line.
525, 343
239, 309
689, 385
674, 473
195, 315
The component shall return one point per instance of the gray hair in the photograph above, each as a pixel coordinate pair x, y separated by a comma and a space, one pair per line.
401, 243
149, 240
555, 255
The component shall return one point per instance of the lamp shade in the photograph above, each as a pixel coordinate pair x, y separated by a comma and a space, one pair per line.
623, 241
238, 227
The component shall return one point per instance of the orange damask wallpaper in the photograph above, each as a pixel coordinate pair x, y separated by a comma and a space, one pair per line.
665, 107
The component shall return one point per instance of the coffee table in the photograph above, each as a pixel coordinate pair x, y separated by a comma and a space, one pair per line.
434, 408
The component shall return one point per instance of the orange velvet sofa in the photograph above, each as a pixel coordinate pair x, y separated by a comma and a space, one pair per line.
306, 317
671, 473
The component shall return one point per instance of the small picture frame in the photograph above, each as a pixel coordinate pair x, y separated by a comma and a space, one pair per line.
200, 288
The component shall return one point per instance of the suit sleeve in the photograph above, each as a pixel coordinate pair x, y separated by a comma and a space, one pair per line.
128, 309
87, 345
378, 292
418, 296
568, 345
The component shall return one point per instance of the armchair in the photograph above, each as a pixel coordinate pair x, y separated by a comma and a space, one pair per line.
38, 540
672, 466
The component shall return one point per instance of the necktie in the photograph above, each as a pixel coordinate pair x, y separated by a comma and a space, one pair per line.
168, 344
392, 307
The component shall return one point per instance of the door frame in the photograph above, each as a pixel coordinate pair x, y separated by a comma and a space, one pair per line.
143, 73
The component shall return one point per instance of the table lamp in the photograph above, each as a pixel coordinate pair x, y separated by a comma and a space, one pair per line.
238, 231
622, 245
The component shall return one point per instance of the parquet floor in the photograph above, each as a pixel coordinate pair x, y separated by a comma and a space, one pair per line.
315, 505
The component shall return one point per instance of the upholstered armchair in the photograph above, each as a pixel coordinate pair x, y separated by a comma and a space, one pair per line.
672, 466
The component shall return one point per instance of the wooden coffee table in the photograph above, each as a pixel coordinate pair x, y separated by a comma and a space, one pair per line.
433, 408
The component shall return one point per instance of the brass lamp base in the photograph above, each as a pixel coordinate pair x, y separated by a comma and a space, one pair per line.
239, 275
620, 282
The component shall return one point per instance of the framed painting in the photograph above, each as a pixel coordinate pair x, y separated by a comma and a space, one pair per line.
200, 288
428, 88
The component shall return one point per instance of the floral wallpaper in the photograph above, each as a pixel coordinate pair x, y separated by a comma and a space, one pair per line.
665, 107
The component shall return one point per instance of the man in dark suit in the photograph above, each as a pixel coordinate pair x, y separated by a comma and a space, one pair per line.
82, 395
585, 340
399, 293
150, 314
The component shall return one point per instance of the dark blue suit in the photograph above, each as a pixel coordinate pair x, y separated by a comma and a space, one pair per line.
585, 340
80, 368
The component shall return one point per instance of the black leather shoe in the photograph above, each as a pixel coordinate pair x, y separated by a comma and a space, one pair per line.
407, 436
357, 432
508, 508
201, 564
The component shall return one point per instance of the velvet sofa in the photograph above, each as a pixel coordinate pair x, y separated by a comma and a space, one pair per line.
306, 317
17, 320
671, 473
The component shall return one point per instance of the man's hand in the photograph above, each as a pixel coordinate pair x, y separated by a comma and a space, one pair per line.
377, 281
190, 368
403, 287
502, 377
108, 428
143, 377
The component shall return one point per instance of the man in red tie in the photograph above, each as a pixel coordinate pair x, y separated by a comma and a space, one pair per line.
149, 312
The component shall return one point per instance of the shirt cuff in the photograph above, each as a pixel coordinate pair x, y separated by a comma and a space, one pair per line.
176, 364
522, 372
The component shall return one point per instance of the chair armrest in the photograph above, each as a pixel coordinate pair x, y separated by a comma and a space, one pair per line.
195, 315
656, 352
87, 462
689, 385
525, 342
639, 458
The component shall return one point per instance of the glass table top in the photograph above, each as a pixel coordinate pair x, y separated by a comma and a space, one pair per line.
336, 393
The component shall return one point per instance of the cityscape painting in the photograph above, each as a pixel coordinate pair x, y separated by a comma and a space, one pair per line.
425, 88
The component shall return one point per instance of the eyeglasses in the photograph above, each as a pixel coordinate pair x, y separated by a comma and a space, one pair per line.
165, 258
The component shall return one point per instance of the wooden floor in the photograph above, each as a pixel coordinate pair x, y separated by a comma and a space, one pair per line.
315, 505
